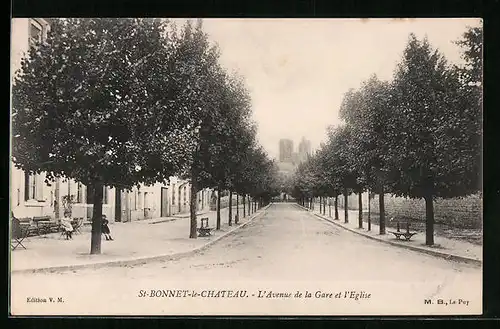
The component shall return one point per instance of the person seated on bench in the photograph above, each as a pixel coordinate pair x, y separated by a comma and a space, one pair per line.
105, 229
67, 227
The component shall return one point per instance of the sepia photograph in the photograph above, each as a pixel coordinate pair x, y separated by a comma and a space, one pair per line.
246, 167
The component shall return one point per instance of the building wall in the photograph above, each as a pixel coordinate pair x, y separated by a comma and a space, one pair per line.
176, 202
37, 202
286, 150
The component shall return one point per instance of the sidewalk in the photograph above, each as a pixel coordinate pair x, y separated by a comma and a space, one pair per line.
443, 247
134, 242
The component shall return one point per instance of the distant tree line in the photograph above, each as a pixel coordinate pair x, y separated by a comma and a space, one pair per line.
417, 136
119, 102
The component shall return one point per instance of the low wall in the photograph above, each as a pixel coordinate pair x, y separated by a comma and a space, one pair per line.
464, 212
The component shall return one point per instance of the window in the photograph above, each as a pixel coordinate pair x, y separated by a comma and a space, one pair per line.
36, 32
135, 200
139, 197
90, 195
51, 198
33, 189
146, 205
18, 196
185, 199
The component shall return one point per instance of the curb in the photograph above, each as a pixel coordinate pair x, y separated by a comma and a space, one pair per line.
164, 221
183, 216
188, 215
436, 253
142, 260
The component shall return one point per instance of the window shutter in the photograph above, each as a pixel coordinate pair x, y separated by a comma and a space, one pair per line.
39, 182
26, 186
105, 195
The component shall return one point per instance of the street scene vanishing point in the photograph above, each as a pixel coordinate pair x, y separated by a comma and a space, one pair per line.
246, 167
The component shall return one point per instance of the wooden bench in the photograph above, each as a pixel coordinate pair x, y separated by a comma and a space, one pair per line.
407, 234
26, 223
45, 224
204, 230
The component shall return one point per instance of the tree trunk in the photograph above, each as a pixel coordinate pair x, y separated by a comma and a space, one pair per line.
217, 227
243, 197
95, 240
381, 205
236, 219
360, 210
337, 207
324, 205
329, 208
369, 216
249, 205
230, 205
320, 209
118, 206
429, 220
193, 203
346, 214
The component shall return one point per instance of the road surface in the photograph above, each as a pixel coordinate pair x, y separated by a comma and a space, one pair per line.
285, 244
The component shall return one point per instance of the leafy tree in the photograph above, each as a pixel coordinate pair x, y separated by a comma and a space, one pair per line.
368, 113
472, 46
203, 97
94, 103
344, 171
332, 182
239, 133
432, 149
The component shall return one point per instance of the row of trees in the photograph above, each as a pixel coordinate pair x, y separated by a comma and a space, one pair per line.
119, 102
418, 136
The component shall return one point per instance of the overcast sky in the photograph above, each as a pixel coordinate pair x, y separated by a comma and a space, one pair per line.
298, 69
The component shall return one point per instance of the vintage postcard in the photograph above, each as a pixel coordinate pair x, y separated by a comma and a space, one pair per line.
246, 167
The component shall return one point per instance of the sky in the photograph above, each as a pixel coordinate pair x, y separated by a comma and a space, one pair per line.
297, 70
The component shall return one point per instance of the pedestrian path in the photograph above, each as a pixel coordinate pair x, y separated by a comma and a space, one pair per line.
443, 247
132, 241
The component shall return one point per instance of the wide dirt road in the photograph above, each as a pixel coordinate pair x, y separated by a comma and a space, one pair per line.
287, 244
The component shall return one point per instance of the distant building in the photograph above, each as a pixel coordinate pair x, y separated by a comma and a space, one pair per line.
286, 150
